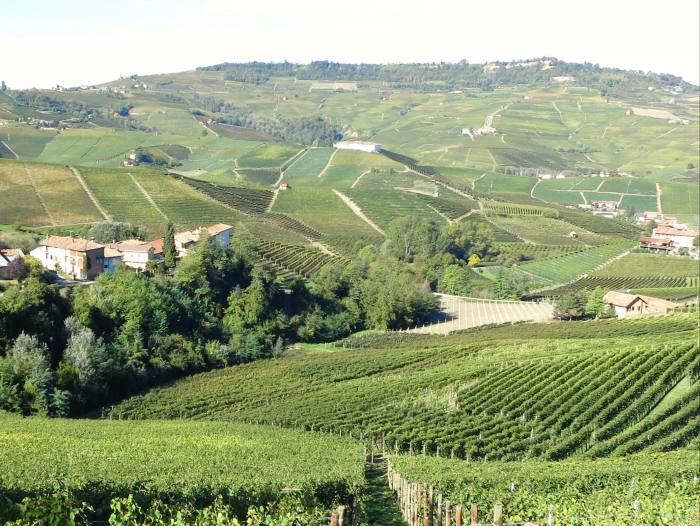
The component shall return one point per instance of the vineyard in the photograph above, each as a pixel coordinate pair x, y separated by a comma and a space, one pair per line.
173, 461
637, 490
513, 209
304, 261
620, 283
465, 395
530, 251
246, 200
546, 230
292, 224
651, 265
560, 269
460, 313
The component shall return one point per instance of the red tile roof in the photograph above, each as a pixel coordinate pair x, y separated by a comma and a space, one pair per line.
218, 228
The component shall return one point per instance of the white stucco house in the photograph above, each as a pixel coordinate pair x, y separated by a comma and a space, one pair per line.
220, 232
363, 146
631, 305
680, 238
79, 258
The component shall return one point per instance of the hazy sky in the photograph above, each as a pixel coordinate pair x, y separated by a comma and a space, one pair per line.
70, 42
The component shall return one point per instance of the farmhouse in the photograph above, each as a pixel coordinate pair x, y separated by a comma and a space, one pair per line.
7, 256
363, 146
680, 238
284, 186
630, 305
604, 205
221, 233
134, 253
647, 217
655, 243
80, 258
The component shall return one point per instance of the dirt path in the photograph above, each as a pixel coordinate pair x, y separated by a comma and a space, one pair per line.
658, 198
92, 197
665, 134
561, 117
532, 190
38, 195
449, 221
354, 184
604, 132
148, 197
328, 164
464, 216
203, 126
323, 248
495, 164
583, 196
358, 211
10, 149
597, 188
475, 180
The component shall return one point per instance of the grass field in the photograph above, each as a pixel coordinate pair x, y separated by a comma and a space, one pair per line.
306, 169
267, 156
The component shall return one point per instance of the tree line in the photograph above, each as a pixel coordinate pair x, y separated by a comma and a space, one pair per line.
451, 75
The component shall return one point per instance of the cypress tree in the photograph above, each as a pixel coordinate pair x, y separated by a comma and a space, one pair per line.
169, 246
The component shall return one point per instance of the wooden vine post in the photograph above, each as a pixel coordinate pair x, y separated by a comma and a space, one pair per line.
334, 518
427, 509
498, 514
448, 513
474, 511
341, 515
458, 515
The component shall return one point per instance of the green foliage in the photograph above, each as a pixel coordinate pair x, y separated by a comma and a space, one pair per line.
412, 392
186, 465
571, 306
455, 280
635, 491
108, 232
169, 250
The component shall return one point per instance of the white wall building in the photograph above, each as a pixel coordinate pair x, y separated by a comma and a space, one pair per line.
680, 238
185, 241
134, 253
363, 146
73, 256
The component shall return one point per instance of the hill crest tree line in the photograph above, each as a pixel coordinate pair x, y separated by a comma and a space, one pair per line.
451, 75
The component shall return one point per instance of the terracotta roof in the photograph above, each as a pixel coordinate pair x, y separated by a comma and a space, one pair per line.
218, 228
157, 245
655, 240
658, 303
70, 243
670, 231
189, 236
7, 255
130, 246
112, 252
620, 299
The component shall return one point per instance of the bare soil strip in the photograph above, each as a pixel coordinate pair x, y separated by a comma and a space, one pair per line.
38, 195
148, 197
92, 197
358, 211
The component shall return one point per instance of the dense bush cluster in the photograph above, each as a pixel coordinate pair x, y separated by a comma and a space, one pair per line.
68, 351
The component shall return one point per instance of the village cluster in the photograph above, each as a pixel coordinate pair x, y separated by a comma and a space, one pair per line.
84, 259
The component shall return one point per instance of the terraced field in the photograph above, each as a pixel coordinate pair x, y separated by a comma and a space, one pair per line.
384, 206
305, 171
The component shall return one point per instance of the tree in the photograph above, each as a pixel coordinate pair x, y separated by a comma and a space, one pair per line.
595, 306
464, 238
413, 236
570, 306
512, 285
27, 368
169, 251
3, 86
17, 269
455, 280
